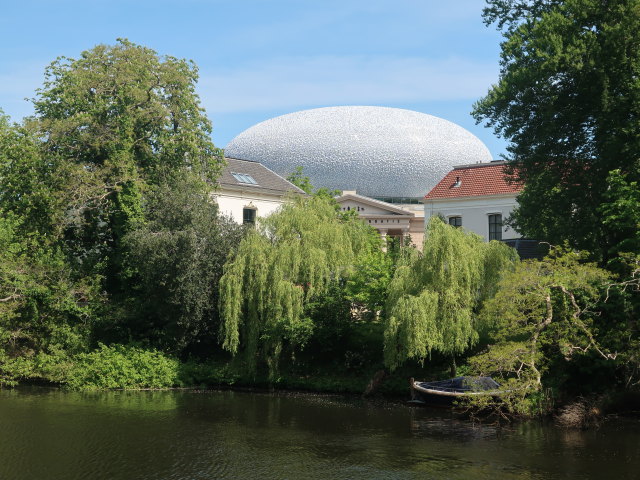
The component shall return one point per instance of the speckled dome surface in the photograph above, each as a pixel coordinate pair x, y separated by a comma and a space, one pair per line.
378, 151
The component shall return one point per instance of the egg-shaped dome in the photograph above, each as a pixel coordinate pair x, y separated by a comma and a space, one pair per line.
378, 151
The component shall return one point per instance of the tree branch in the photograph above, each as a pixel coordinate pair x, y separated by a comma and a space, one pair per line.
576, 320
15, 295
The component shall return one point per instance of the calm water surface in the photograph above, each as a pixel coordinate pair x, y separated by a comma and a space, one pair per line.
49, 434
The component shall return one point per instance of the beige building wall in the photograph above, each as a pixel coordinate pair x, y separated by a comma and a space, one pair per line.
388, 219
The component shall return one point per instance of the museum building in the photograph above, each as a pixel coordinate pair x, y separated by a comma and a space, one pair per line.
382, 159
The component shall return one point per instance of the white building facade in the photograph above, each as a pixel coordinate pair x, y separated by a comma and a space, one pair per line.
248, 190
477, 197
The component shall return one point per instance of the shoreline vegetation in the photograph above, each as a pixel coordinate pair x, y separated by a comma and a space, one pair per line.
118, 271
576, 413
113, 372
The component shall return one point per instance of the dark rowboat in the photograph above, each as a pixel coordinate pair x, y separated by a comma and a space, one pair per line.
446, 392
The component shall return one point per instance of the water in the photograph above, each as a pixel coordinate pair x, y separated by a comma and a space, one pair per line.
50, 434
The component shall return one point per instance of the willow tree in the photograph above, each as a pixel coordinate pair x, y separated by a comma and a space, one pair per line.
433, 297
293, 258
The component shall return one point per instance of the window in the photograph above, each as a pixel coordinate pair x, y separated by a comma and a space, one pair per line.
244, 178
495, 227
455, 221
248, 216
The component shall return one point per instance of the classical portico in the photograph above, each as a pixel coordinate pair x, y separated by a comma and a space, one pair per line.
387, 219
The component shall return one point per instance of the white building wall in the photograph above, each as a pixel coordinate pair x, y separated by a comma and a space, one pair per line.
232, 203
475, 212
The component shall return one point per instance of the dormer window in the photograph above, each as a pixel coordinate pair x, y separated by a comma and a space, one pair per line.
458, 182
244, 178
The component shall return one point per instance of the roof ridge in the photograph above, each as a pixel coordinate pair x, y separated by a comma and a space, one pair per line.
380, 203
493, 163
474, 182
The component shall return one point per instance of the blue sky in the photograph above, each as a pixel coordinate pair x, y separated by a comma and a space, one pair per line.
263, 58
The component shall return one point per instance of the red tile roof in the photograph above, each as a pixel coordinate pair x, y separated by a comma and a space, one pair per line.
474, 181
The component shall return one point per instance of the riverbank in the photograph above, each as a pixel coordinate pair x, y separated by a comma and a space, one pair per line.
120, 367
575, 413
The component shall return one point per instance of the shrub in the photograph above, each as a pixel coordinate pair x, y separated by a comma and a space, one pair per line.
122, 367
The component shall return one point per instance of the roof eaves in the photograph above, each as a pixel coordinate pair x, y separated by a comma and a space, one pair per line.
372, 202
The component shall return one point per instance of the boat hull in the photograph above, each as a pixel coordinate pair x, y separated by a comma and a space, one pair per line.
446, 394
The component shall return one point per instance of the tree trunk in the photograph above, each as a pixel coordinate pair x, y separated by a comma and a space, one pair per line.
375, 382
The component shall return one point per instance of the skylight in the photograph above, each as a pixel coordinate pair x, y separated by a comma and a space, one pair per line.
244, 178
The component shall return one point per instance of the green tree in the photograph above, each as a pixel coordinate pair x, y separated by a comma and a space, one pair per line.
544, 320
125, 108
368, 285
295, 258
176, 261
567, 101
433, 298
44, 311
300, 180
117, 119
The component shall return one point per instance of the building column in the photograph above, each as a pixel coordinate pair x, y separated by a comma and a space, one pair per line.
383, 236
403, 233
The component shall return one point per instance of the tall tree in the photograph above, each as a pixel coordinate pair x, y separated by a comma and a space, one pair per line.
433, 298
119, 118
297, 255
568, 101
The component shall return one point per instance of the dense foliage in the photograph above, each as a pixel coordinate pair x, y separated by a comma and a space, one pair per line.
433, 299
44, 308
107, 231
295, 257
568, 102
115, 122
548, 328
122, 367
116, 270
176, 261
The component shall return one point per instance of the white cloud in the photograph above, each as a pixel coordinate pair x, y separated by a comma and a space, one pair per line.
335, 80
